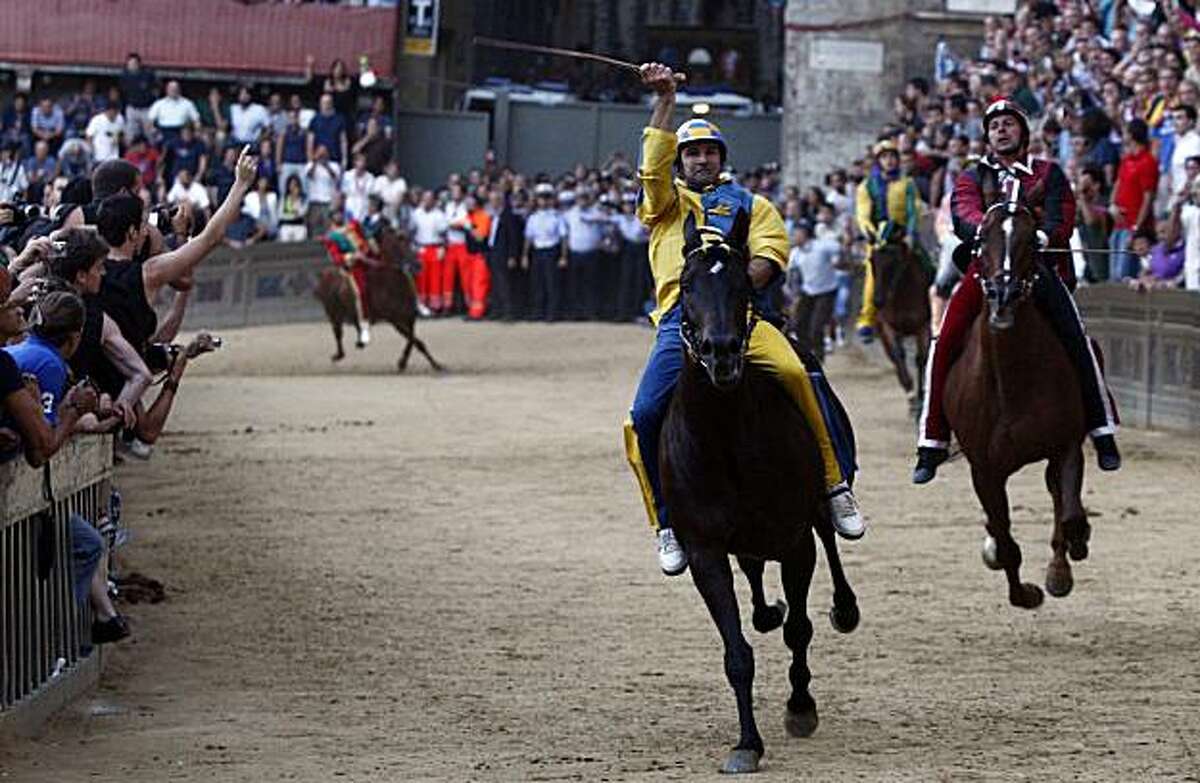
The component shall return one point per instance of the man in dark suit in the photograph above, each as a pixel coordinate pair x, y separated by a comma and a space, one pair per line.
504, 259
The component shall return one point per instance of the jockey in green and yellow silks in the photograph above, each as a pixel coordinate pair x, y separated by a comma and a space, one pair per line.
886, 206
696, 152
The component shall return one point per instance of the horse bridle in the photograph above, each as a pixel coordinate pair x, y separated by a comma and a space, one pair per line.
1004, 279
687, 330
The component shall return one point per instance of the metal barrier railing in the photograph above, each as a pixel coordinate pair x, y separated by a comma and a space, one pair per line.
42, 631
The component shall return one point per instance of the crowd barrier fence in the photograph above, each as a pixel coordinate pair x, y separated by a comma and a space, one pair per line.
1151, 343
42, 631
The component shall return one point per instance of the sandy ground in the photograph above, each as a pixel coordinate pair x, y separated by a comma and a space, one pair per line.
382, 578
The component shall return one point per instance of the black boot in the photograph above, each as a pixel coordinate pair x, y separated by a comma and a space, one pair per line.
1106, 452
928, 459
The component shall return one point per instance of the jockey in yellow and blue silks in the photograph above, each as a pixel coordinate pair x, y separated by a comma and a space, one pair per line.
885, 202
697, 152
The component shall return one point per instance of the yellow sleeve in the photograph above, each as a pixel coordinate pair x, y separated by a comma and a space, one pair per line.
863, 209
659, 197
768, 234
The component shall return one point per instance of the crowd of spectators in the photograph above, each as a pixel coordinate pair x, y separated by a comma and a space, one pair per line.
311, 142
80, 339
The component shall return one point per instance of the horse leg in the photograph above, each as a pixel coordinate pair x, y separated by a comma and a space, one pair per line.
337, 338
895, 354
800, 719
1058, 573
766, 617
714, 579
999, 548
402, 365
844, 615
1076, 528
413, 341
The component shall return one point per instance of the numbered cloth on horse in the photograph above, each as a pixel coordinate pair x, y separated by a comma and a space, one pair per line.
344, 243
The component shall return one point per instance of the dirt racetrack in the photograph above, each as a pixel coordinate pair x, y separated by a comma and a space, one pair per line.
382, 578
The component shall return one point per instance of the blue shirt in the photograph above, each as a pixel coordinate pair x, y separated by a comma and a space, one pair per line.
293, 145
42, 360
184, 155
327, 130
583, 229
545, 229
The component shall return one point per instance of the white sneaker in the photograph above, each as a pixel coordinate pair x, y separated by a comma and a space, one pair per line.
671, 557
847, 519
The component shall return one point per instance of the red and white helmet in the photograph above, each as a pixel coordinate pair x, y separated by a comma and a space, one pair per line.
1002, 104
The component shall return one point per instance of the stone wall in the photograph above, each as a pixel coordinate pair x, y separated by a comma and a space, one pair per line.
839, 85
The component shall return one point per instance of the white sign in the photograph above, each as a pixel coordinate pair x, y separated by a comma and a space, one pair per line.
982, 6
839, 54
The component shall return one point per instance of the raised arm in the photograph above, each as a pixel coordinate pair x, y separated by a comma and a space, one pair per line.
162, 269
658, 146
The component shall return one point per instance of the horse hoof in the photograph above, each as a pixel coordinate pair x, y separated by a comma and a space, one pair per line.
1059, 581
1077, 550
741, 762
844, 619
801, 724
770, 617
991, 558
337, 357
1027, 596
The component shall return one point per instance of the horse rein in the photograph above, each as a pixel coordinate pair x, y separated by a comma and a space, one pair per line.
687, 330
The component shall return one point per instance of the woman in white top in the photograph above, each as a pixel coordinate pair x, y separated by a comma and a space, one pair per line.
292, 211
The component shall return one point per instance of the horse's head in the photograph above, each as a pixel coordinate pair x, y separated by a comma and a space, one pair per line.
715, 298
1007, 249
887, 258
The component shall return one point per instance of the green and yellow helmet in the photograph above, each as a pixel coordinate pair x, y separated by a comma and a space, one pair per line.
696, 130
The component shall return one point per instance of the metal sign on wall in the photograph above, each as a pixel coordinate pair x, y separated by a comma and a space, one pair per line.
839, 54
420, 28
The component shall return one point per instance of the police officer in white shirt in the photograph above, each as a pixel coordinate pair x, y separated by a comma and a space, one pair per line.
546, 249
583, 246
633, 283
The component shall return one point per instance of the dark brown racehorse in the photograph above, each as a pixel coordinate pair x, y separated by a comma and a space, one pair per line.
902, 299
1013, 399
391, 296
742, 475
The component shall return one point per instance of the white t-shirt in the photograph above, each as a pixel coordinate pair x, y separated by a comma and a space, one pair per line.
1189, 216
356, 187
195, 193
815, 262
428, 226
455, 212
321, 183
105, 136
1186, 146
247, 122
392, 192
169, 112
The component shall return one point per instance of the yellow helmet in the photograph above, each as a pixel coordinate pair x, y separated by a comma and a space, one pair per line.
697, 130
886, 145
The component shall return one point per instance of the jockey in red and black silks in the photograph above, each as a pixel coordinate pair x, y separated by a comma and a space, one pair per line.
1008, 173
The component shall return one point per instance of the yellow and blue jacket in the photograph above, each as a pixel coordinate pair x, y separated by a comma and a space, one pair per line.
666, 201
880, 201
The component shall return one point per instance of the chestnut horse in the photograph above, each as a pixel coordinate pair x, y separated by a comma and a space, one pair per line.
902, 299
742, 475
391, 297
1013, 399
